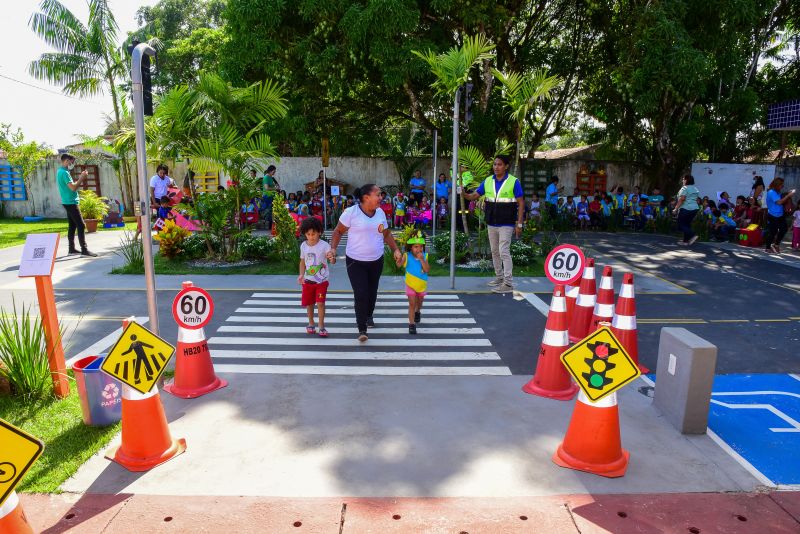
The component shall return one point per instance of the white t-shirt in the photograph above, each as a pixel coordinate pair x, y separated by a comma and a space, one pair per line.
796, 222
160, 186
364, 234
315, 260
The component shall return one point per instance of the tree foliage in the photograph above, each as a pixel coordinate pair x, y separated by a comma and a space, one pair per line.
25, 155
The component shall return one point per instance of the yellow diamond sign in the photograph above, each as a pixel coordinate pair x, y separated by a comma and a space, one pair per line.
599, 364
138, 358
18, 451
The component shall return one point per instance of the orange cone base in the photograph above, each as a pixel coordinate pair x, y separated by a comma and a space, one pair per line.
567, 393
16, 522
194, 371
146, 441
642, 368
613, 469
191, 393
131, 463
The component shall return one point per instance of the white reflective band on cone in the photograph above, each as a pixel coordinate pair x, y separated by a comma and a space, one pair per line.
573, 291
624, 322
186, 335
626, 292
609, 401
606, 283
10, 505
555, 338
128, 393
586, 300
604, 310
559, 304
588, 273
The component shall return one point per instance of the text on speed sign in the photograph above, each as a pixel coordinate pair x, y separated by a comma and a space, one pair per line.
192, 307
564, 264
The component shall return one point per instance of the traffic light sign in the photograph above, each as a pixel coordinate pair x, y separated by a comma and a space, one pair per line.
147, 82
599, 364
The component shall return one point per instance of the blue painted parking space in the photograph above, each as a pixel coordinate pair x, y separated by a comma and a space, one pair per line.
758, 416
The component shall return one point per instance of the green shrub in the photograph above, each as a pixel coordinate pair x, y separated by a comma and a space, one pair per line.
170, 239
700, 226
23, 353
389, 264
441, 245
522, 253
286, 245
196, 246
132, 251
92, 206
256, 247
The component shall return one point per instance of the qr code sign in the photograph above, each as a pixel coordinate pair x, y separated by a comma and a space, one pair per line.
38, 253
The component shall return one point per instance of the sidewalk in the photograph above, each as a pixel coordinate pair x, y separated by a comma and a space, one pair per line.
731, 513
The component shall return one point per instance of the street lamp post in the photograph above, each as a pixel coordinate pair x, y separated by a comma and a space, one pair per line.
456, 105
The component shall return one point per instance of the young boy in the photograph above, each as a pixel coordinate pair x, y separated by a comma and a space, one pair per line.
314, 273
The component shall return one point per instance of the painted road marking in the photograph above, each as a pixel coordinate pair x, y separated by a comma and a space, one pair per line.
259, 339
334, 330
102, 345
345, 355
536, 302
349, 304
359, 370
349, 311
301, 319
336, 342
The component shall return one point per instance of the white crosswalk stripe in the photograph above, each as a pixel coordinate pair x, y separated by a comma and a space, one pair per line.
267, 334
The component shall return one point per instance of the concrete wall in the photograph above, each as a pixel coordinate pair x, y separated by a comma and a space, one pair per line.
624, 173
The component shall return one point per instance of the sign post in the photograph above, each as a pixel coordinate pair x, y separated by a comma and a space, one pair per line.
38, 259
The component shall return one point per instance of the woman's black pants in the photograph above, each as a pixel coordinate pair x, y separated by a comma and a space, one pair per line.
685, 218
776, 230
364, 277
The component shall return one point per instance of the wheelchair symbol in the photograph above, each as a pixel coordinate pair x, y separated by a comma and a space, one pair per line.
7, 472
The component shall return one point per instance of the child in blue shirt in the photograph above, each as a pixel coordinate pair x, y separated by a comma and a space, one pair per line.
722, 225
582, 211
164, 211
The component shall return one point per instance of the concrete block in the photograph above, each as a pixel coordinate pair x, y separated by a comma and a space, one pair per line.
684, 377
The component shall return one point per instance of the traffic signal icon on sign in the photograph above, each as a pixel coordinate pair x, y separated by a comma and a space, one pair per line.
599, 364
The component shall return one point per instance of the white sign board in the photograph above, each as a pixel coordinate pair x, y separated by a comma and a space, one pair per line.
734, 178
335, 190
38, 255
192, 308
564, 264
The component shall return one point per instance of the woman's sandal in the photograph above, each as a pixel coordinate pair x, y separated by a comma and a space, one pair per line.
323, 332
311, 329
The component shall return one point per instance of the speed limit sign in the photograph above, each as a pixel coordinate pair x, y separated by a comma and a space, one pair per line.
192, 308
564, 264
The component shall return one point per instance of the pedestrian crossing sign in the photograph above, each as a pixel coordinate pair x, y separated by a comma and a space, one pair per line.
599, 364
18, 451
138, 358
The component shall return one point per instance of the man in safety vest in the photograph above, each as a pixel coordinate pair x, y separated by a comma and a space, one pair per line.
505, 209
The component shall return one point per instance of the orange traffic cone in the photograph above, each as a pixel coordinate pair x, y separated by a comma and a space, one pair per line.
573, 290
604, 307
146, 441
593, 442
194, 371
551, 379
581, 318
624, 324
12, 517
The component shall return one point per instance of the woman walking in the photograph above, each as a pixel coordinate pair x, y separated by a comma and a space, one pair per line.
368, 232
686, 209
776, 216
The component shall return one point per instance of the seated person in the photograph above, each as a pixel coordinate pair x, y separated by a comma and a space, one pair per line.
722, 225
536, 207
596, 212
582, 212
164, 210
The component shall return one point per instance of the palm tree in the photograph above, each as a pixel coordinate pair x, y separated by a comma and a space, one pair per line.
87, 60
451, 70
521, 93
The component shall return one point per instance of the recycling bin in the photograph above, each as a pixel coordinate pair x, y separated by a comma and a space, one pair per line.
100, 394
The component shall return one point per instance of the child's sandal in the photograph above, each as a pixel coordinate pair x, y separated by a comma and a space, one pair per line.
323, 332
311, 329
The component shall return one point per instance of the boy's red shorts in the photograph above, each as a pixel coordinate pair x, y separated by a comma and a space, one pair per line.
313, 293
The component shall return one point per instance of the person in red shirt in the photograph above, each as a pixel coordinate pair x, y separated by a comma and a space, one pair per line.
316, 205
595, 215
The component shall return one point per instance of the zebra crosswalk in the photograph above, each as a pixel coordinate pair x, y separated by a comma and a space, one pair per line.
266, 334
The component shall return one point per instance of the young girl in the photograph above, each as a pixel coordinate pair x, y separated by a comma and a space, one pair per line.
582, 210
415, 261
292, 202
314, 273
399, 210
441, 211
536, 207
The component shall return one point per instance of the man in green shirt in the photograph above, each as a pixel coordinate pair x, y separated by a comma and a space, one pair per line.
68, 189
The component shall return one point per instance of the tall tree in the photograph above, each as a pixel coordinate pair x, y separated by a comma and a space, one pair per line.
87, 60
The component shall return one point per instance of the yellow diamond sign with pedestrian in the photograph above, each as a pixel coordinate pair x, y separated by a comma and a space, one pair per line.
599, 364
18, 451
138, 358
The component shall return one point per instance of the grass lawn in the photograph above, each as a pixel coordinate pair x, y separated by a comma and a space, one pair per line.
13, 231
68, 442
